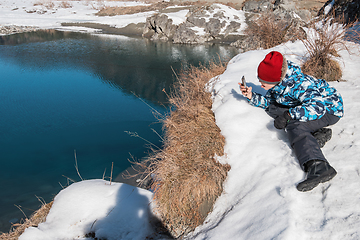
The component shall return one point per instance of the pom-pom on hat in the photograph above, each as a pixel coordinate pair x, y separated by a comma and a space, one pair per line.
270, 69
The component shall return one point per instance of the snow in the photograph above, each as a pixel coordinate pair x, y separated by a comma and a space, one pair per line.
178, 17
48, 14
260, 200
329, 7
31, 13
112, 205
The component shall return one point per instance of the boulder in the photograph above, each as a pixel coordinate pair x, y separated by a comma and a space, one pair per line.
183, 34
247, 43
260, 6
12, 29
213, 27
159, 26
347, 11
232, 27
196, 21
203, 24
210, 23
257, 6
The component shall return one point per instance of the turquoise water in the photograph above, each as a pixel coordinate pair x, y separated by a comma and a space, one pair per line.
67, 93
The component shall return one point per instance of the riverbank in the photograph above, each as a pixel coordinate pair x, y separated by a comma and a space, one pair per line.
191, 22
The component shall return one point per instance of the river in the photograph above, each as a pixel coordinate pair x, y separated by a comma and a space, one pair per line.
72, 98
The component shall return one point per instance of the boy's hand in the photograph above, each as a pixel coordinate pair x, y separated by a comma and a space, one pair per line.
246, 91
282, 120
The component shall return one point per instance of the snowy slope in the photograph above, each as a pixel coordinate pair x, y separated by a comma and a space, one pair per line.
260, 200
40, 13
112, 210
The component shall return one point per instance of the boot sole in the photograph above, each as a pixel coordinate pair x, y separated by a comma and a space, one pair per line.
311, 184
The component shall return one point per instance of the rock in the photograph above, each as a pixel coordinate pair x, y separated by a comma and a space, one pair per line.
214, 26
342, 10
258, 6
159, 26
183, 34
285, 4
203, 24
196, 21
12, 29
210, 23
247, 43
232, 27
287, 25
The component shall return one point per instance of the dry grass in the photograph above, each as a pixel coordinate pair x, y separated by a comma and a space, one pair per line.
187, 177
113, 11
268, 30
48, 5
51, 4
323, 67
65, 4
154, 6
323, 42
37, 217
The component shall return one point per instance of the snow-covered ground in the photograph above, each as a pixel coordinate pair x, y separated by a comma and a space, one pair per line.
42, 14
49, 14
260, 200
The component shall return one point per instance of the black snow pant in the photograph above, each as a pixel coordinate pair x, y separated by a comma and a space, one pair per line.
305, 145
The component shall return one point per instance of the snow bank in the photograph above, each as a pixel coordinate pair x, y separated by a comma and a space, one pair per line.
116, 211
260, 200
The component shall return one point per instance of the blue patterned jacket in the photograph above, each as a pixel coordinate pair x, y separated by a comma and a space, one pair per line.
307, 98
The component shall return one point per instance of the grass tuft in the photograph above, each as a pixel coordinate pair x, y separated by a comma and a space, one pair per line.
322, 66
37, 217
187, 177
269, 30
323, 42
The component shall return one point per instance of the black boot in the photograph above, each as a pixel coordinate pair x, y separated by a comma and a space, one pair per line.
317, 172
322, 136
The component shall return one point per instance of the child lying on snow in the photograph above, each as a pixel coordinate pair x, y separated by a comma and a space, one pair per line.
303, 106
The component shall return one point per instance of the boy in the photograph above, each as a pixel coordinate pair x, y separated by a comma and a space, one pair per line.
303, 106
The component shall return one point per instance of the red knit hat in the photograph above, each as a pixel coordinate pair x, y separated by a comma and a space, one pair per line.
269, 70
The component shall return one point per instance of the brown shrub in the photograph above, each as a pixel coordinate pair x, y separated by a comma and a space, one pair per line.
322, 67
65, 4
155, 5
112, 11
37, 217
267, 30
187, 177
323, 42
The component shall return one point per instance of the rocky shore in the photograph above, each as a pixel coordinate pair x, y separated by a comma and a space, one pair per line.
209, 22
205, 22
12, 29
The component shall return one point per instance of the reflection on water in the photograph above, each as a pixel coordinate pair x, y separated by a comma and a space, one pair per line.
40, 36
133, 65
64, 91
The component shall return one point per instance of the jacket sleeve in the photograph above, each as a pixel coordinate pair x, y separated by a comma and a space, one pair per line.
259, 100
